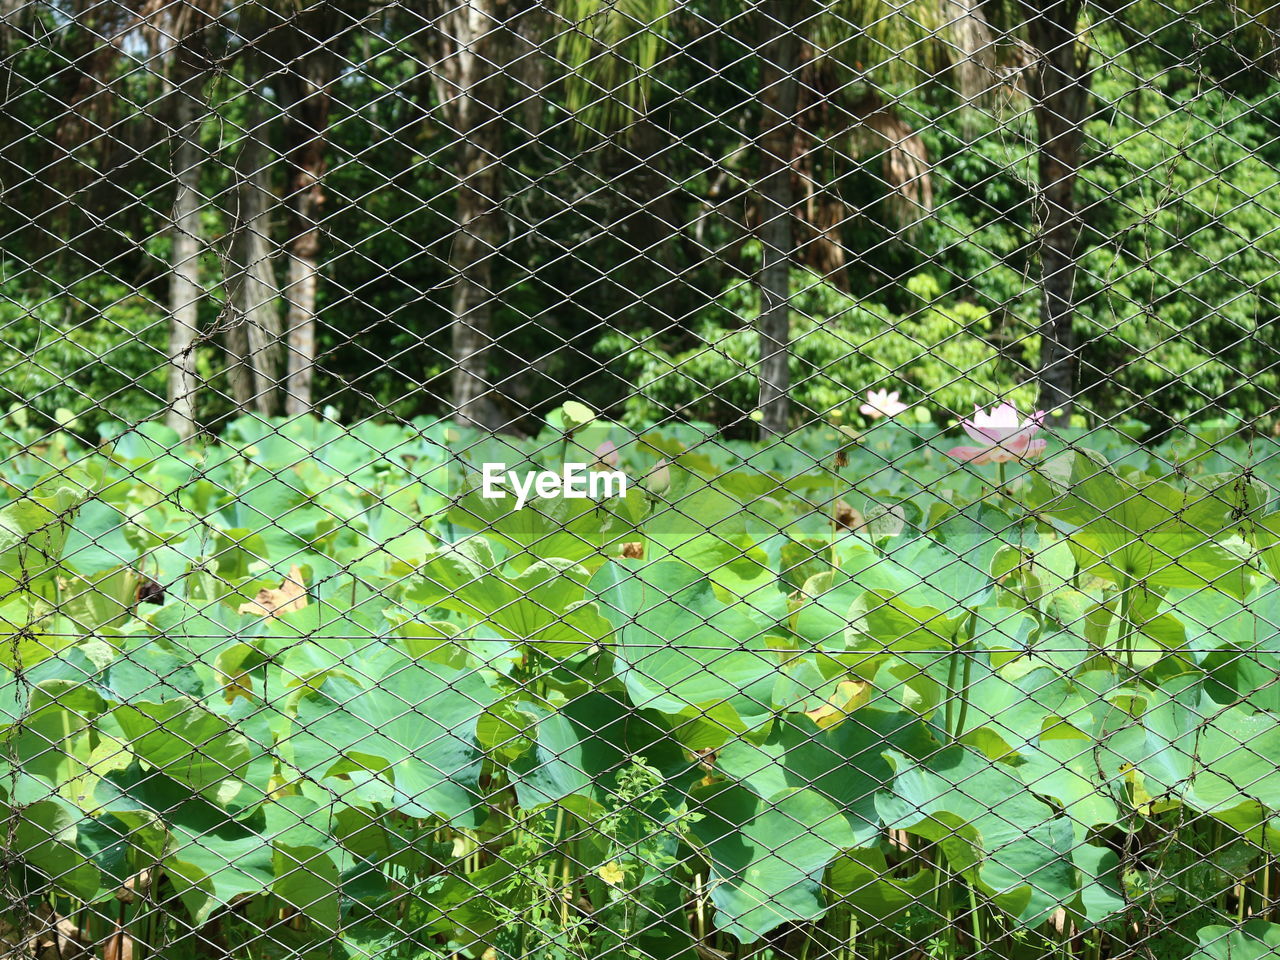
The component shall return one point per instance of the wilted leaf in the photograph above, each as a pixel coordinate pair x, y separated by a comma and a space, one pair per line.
271, 602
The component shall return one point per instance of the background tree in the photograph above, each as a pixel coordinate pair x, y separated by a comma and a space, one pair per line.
183, 32
1058, 85
251, 320
309, 50
781, 23
469, 48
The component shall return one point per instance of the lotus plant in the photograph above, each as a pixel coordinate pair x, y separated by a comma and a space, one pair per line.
882, 403
607, 455
1003, 436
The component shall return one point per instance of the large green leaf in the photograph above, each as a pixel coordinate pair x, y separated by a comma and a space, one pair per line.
306, 875
582, 747
573, 529
183, 739
414, 730
98, 542
1018, 704
44, 837
34, 528
30, 631
871, 889
147, 671
542, 605
1236, 641
1066, 769
844, 763
1021, 848
1102, 893
767, 855
680, 649
211, 857
1215, 759
917, 596
1136, 529
1252, 940
698, 523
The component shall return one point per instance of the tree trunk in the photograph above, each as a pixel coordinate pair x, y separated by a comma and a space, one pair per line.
1060, 92
779, 91
191, 69
308, 107
254, 292
235, 342
307, 169
303, 283
649, 224
472, 74
253, 332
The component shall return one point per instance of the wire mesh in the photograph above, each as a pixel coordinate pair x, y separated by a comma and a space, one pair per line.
788, 479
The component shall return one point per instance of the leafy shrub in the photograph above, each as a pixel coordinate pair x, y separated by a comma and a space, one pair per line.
97, 352
841, 347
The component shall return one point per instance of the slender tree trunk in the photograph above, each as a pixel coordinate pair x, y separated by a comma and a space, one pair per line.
239, 373
1060, 91
254, 292
471, 97
308, 119
304, 282
779, 95
191, 70
184, 269
253, 333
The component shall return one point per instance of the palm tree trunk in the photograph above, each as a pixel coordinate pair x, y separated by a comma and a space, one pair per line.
191, 69
1060, 92
650, 223
779, 95
471, 98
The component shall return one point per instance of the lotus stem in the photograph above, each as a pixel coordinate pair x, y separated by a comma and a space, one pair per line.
1266, 886
959, 676
953, 668
948, 911
1126, 625
967, 653
700, 907
975, 915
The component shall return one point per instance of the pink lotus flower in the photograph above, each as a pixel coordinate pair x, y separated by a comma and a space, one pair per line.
1003, 434
881, 403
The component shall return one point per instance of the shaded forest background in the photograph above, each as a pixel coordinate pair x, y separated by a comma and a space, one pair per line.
378, 208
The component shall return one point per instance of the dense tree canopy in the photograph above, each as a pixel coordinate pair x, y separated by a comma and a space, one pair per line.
615, 181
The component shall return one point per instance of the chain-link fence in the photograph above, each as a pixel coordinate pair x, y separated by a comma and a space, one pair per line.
497, 480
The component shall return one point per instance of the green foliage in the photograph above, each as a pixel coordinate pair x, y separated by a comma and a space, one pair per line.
97, 352
1175, 294
1178, 283
938, 350
345, 702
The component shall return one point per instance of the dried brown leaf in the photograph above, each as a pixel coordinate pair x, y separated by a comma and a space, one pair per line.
271, 602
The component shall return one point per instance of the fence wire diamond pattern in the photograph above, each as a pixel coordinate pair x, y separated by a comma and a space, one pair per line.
777, 479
